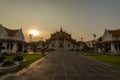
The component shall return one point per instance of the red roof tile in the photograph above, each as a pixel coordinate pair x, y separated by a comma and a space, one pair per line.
115, 33
11, 32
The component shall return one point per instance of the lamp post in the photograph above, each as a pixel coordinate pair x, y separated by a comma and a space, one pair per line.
30, 41
94, 35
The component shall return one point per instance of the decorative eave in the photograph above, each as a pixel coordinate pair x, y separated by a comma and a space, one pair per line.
109, 41
11, 32
12, 40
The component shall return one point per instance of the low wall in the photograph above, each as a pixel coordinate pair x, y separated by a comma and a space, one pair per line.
8, 69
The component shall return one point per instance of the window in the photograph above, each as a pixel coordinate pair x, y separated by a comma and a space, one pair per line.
0, 44
109, 47
11, 46
119, 46
8, 46
116, 47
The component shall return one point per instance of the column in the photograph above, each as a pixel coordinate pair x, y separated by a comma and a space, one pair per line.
15, 47
113, 50
23, 45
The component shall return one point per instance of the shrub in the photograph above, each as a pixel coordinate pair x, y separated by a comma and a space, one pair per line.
72, 49
77, 50
18, 58
2, 58
43, 50
8, 63
4, 53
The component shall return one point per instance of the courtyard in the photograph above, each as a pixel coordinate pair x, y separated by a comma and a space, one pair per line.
67, 65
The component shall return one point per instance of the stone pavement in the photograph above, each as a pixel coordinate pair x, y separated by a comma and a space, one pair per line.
66, 65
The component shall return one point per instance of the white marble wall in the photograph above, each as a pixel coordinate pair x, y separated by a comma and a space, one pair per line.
107, 36
65, 43
13, 50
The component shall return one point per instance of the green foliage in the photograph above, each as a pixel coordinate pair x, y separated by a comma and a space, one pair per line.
2, 58
43, 50
18, 58
85, 48
110, 59
8, 63
30, 58
77, 50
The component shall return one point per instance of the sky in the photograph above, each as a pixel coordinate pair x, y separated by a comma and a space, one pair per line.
81, 18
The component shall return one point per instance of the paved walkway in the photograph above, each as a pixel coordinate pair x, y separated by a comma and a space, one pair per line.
66, 65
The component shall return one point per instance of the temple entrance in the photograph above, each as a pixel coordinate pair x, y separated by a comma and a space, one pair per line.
61, 40
61, 44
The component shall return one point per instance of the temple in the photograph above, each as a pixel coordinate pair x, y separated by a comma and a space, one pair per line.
60, 40
12, 40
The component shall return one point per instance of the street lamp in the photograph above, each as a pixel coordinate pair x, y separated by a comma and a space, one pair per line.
30, 35
30, 42
94, 35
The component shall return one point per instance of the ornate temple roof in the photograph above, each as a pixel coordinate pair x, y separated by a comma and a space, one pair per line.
11, 35
11, 32
60, 35
115, 33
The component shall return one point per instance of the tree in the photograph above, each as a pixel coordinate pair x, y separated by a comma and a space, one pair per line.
99, 45
94, 35
43, 50
85, 48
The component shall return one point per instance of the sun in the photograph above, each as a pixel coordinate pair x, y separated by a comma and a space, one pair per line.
34, 32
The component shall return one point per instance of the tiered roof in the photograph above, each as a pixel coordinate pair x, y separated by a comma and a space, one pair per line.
10, 34
60, 35
115, 33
